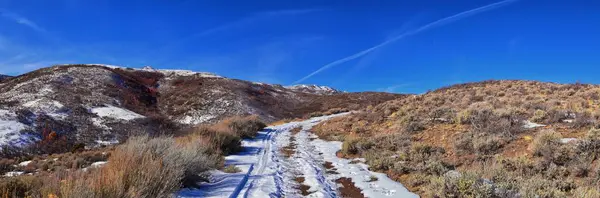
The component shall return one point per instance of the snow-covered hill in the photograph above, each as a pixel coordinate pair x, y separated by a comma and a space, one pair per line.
314, 89
94, 103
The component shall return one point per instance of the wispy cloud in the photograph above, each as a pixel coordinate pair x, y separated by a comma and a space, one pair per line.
21, 20
242, 22
434, 24
394, 88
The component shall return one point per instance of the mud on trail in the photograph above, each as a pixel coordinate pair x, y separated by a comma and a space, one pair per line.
287, 160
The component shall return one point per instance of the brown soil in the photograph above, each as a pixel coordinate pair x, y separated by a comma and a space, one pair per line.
348, 190
330, 168
296, 130
303, 188
290, 149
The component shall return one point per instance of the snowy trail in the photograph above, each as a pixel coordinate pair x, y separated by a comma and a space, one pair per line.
268, 172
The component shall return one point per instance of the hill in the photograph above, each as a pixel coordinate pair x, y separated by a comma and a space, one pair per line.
501, 138
102, 104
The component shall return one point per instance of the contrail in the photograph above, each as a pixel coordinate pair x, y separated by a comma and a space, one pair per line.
423, 28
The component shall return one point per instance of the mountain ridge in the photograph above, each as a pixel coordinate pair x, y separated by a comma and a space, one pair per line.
92, 103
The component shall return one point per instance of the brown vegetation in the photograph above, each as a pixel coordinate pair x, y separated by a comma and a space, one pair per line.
347, 188
173, 162
302, 187
439, 143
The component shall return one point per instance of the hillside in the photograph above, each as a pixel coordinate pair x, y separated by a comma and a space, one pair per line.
102, 104
504, 138
4, 77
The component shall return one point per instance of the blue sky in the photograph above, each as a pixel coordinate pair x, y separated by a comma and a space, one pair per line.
284, 41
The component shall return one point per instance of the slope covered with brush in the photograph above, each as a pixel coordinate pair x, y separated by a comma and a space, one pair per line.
64, 107
488, 139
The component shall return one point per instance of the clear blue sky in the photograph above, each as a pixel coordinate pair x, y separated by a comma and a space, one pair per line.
284, 41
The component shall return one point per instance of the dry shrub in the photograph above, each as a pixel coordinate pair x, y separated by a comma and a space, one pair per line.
143, 167
590, 145
468, 184
583, 120
355, 146
546, 142
220, 139
539, 115
245, 127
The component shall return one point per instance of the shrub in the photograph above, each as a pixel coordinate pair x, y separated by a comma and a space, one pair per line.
582, 120
231, 169
411, 124
465, 185
487, 145
546, 143
222, 140
245, 127
464, 143
539, 115
585, 192
161, 165
590, 145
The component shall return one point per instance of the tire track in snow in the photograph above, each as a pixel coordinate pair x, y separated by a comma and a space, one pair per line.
313, 159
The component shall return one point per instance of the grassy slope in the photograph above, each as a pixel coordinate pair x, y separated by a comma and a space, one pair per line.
467, 127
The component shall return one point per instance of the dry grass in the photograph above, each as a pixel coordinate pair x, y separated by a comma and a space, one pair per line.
127, 174
226, 136
474, 126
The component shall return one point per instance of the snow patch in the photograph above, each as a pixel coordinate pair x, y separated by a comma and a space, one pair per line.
13, 173
196, 119
95, 165
313, 89
107, 143
25, 163
98, 164
567, 140
530, 125
10, 129
116, 113
360, 174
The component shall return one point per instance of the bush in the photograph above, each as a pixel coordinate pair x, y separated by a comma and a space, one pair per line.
142, 167
231, 169
354, 146
224, 141
538, 116
487, 145
583, 120
411, 124
170, 164
245, 127
546, 143
465, 185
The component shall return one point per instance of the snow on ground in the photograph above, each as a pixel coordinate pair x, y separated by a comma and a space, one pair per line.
95, 165
567, 140
313, 89
360, 174
10, 129
107, 142
116, 113
13, 173
196, 119
530, 125
25, 163
266, 172
48, 107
